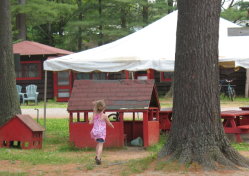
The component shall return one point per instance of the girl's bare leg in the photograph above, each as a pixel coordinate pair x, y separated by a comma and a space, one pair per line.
99, 149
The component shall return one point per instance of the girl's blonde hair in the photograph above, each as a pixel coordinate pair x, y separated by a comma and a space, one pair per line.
99, 106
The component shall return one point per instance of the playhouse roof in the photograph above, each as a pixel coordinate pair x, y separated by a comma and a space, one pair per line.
30, 122
34, 48
118, 94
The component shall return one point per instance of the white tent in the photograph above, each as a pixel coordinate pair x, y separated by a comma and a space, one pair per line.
151, 47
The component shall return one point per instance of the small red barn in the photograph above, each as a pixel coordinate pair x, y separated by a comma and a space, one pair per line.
21, 131
135, 102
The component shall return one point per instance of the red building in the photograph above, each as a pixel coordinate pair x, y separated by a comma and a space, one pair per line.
135, 103
29, 58
21, 131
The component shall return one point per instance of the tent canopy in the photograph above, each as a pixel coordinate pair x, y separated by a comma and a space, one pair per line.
152, 47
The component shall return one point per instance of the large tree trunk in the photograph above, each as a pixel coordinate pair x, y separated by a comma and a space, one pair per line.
170, 6
21, 22
197, 133
80, 31
9, 104
100, 25
145, 12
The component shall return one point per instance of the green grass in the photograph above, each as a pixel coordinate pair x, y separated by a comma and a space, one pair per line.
13, 174
241, 146
56, 151
56, 148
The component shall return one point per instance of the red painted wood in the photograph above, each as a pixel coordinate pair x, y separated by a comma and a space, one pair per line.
124, 131
245, 108
244, 127
126, 74
16, 130
57, 87
150, 74
165, 119
133, 129
86, 117
234, 113
234, 120
55, 78
162, 78
39, 71
153, 132
145, 129
80, 135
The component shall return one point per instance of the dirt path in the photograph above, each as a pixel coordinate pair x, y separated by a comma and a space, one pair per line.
114, 164
62, 112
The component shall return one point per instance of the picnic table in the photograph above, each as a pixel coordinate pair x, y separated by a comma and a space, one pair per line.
236, 122
244, 108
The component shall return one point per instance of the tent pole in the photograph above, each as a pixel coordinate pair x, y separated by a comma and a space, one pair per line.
247, 83
45, 97
132, 75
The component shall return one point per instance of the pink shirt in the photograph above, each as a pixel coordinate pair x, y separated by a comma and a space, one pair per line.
99, 127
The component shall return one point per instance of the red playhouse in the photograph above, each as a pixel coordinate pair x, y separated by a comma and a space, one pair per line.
21, 131
132, 105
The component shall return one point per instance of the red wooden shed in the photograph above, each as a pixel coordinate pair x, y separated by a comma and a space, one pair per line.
21, 131
135, 101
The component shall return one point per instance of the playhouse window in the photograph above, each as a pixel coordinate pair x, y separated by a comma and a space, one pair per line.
166, 76
29, 70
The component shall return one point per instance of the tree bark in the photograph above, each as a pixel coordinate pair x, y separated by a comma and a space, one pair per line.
100, 25
80, 31
170, 6
9, 105
21, 22
145, 13
197, 134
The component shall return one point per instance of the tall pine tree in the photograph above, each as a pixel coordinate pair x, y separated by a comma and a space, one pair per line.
9, 105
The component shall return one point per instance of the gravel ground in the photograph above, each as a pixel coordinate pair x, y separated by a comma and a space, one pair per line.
50, 112
62, 112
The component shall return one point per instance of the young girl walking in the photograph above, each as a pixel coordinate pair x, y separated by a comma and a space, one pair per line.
98, 132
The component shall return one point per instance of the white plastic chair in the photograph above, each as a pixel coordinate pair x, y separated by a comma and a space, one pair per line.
19, 91
31, 93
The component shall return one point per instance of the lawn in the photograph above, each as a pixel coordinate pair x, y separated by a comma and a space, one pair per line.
59, 156
57, 151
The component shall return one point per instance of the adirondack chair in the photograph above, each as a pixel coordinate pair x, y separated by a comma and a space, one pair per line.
31, 93
19, 91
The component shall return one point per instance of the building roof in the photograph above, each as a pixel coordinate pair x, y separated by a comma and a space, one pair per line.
31, 123
118, 94
34, 48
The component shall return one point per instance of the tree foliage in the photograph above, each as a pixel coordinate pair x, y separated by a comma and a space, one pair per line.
237, 12
57, 22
